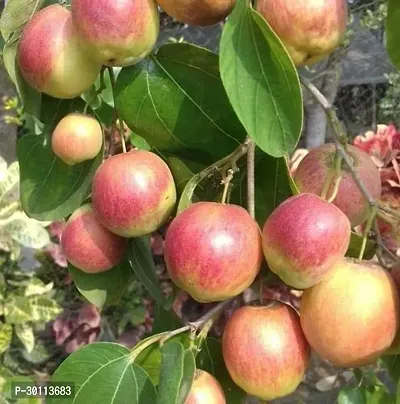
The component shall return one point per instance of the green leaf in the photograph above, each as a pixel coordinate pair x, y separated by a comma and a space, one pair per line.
51, 189
392, 363
37, 287
261, 81
211, 360
5, 337
379, 396
37, 309
25, 334
9, 183
352, 395
103, 373
53, 109
177, 373
105, 288
142, 264
176, 101
393, 32
355, 247
16, 14
165, 320
150, 358
139, 142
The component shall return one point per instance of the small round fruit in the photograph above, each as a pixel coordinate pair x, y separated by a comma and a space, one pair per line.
205, 390
50, 58
318, 164
198, 12
395, 347
213, 251
116, 32
309, 29
88, 245
77, 138
133, 193
351, 318
265, 350
303, 238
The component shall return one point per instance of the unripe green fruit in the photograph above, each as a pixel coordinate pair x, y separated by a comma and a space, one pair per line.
77, 138
50, 58
309, 29
88, 245
198, 12
116, 32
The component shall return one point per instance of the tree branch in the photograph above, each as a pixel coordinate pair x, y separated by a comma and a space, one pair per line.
251, 152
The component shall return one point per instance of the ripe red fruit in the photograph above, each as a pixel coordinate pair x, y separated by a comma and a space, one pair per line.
133, 193
351, 317
116, 32
303, 238
213, 251
88, 245
77, 138
309, 29
205, 390
198, 12
318, 164
49, 55
265, 350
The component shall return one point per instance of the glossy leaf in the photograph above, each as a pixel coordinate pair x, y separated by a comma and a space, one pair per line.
352, 395
103, 373
165, 320
176, 375
261, 81
355, 247
51, 189
53, 109
142, 264
105, 288
393, 32
176, 101
211, 360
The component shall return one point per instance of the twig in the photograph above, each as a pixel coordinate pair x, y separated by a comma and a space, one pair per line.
229, 160
120, 122
251, 179
367, 229
97, 92
382, 246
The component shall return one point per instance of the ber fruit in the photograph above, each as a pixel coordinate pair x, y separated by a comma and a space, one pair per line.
351, 317
303, 238
133, 193
213, 251
309, 29
88, 245
50, 58
205, 390
318, 164
116, 32
77, 138
395, 347
198, 12
265, 350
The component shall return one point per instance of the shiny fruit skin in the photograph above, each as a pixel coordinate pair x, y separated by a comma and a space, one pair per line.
198, 12
303, 238
205, 390
133, 194
351, 318
318, 164
213, 251
309, 29
77, 138
116, 32
265, 350
88, 245
49, 56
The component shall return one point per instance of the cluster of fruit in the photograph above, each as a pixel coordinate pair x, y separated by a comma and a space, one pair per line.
61, 52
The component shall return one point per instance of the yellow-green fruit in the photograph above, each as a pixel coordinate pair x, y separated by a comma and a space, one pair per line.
77, 138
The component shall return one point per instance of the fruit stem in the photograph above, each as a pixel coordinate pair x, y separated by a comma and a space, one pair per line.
334, 177
230, 160
227, 182
116, 114
251, 152
367, 229
97, 92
